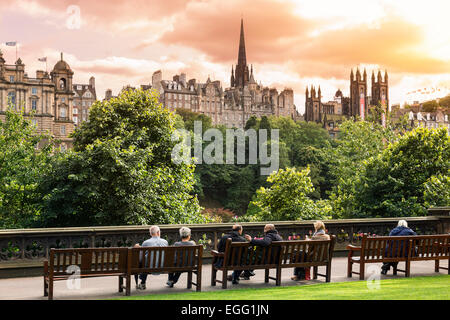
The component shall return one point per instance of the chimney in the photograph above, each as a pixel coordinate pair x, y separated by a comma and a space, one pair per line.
92, 82
39, 74
183, 79
108, 94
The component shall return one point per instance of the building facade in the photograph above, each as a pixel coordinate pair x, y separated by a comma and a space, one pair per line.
232, 106
47, 99
358, 105
84, 96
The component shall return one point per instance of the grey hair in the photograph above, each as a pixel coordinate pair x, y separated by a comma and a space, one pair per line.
402, 223
154, 230
185, 232
270, 226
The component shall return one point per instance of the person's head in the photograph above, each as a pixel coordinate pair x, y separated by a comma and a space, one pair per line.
185, 233
154, 231
319, 225
238, 228
269, 227
402, 223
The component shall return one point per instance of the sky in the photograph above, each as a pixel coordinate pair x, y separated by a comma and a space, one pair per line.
290, 43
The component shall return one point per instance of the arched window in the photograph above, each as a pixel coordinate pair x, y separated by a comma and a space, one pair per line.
63, 112
62, 83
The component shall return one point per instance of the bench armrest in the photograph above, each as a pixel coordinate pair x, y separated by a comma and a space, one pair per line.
216, 253
353, 248
45, 267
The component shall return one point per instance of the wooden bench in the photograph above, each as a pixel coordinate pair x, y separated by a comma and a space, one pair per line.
279, 255
398, 249
82, 263
166, 260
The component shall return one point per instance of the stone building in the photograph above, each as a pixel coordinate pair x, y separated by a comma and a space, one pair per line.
417, 117
246, 98
49, 97
232, 106
332, 113
85, 95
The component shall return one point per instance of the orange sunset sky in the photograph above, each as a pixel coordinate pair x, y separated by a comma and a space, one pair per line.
290, 43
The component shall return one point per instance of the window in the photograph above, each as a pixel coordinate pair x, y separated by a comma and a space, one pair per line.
79, 87
63, 147
62, 83
63, 130
34, 122
75, 119
12, 98
63, 99
63, 112
34, 90
33, 105
11, 78
75, 110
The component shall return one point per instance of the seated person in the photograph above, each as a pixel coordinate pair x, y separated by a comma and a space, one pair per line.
154, 241
401, 230
236, 236
270, 234
185, 234
319, 234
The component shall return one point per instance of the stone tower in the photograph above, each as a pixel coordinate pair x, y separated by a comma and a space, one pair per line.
358, 94
313, 105
380, 90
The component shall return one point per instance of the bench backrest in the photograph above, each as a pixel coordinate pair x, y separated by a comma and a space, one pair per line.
426, 247
88, 261
165, 259
308, 252
242, 254
378, 249
238, 254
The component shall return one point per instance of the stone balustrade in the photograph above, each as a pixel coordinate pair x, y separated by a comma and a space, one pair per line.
27, 245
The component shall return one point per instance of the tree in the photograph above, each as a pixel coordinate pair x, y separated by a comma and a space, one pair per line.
399, 181
287, 198
437, 191
121, 171
430, 106
21, 165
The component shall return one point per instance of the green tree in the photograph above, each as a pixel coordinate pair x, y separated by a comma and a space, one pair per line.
21, 165
430, 106
121, 170
437, 191
287, 198
399, 181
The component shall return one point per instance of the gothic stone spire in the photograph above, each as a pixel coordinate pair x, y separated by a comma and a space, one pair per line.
242, 58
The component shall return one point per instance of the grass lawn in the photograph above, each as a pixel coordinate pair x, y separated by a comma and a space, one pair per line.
421, 288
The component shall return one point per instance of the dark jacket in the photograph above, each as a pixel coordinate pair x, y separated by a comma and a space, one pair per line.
392, 249
402, 231
269, 236
235, 237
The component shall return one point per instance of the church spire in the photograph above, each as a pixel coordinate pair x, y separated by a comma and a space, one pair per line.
242, 58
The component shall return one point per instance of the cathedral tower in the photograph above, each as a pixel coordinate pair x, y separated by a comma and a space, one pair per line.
380, 90
358, 94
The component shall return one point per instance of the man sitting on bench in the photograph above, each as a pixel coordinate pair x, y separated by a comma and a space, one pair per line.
154, 241
401, 230
236, 236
